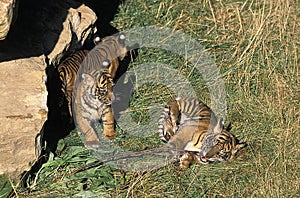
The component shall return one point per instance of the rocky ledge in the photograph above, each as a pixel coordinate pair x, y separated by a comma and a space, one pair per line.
42, 29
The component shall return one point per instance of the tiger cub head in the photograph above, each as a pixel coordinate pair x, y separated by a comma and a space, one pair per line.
118, 44
104, 88
100, 83
219, 145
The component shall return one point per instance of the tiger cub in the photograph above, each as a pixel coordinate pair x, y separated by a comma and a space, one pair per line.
191, 129
109, 49
67, 71
92, 74
94, 88
92, 103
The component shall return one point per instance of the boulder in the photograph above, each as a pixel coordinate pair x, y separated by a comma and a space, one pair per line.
76, 28
23, 105
23, 111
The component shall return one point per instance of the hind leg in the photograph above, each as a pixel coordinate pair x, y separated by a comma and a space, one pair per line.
174, 114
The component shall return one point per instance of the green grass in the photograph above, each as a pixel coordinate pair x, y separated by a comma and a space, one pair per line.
255, 45
5, 186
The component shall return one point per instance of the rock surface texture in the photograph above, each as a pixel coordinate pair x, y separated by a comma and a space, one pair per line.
22, 111
75, 30
7, 12
23, 108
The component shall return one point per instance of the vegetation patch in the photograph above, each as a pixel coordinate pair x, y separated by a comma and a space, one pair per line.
255, 45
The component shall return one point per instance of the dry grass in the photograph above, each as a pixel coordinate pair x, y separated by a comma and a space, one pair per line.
255, 45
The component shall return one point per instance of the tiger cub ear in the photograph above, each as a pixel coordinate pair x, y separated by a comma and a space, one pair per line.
238, 147
106, 63
88, 79
219, 127
122, 38
97, 40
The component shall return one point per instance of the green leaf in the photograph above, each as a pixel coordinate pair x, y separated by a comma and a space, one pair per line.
86, 194
60, 146
5, 186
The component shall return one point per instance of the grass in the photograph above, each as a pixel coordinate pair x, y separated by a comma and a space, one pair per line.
255, 45
5, 186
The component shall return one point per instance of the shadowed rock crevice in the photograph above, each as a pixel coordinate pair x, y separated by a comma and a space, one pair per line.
38, 26
26, 36
105, 11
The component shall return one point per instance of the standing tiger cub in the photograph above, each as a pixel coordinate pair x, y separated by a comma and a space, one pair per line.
87, 85
94, 88
92, 103
191, 129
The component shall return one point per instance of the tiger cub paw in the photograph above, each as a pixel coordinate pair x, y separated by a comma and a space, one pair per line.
110, 134
185, 160
92, 143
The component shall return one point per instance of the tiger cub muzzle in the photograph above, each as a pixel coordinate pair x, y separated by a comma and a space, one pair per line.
105, 96
218, 147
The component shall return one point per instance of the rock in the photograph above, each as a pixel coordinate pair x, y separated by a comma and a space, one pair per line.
58, 26
23, 111
76, 29
47, 27
7, 12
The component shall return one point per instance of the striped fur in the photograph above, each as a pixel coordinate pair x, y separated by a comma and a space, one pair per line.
191, 128
181, 111
108, 49
95, 71
93, 103
94, 93
67, 71
111, 48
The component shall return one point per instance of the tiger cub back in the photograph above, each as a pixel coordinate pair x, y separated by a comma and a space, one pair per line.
67, 71
111, 48
183, 111
191, 129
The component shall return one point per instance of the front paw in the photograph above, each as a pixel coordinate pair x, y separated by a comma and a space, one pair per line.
110, 134
92, 143
185, 161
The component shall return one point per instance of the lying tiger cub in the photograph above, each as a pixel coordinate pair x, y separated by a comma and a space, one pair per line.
190, 128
